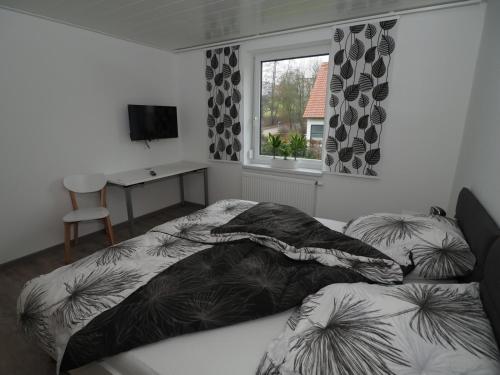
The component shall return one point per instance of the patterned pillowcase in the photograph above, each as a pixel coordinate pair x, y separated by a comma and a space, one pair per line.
373, 329
435, 243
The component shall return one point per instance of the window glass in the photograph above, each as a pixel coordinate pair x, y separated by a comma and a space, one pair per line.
317, 132
292, 101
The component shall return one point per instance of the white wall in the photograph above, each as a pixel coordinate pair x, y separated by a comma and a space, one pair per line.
63, 98
430, 89
478, 166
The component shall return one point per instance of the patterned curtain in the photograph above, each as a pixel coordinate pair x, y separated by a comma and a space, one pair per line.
224, 97
360, 61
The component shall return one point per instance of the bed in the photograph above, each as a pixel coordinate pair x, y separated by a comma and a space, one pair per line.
239, 348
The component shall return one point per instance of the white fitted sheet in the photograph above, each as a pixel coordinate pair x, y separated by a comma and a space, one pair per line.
235, 350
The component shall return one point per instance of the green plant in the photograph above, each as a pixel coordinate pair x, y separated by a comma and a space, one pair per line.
274, 142
285, 150
298, 144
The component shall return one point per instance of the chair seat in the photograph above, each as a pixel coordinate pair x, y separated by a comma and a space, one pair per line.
83, 214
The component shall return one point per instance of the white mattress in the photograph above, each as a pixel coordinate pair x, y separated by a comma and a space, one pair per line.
234, 350
332, 224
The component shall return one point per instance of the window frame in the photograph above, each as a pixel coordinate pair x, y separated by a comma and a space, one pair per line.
267, 56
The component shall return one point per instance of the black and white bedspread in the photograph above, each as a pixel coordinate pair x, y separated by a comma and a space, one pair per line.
230, 262
386, 330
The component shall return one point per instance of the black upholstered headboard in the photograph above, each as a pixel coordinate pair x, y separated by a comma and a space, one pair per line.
483, 236
490, 288
479, 229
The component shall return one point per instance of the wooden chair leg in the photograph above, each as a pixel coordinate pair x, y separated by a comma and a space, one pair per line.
67, 244
109, 230
75, 233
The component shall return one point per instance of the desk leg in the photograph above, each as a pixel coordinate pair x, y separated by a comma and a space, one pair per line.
181, 187
205, 185
130, 210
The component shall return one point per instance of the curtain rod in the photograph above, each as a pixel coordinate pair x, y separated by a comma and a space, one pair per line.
330, 24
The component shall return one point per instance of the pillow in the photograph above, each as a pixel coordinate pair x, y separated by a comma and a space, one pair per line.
373, 329
433, 243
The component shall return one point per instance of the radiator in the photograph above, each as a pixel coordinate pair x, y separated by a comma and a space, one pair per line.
299, 193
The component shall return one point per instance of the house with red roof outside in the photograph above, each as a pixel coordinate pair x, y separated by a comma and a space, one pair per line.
315, 108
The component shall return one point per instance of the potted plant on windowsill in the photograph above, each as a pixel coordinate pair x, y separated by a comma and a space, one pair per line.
284, 163
274, 142
298, 145
278, 147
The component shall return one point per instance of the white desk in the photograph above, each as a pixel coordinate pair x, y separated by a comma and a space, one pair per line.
128, 179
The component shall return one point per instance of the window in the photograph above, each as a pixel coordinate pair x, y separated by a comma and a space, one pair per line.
316, 132
290, 99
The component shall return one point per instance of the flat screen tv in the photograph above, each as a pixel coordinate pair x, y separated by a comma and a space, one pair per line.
149, 122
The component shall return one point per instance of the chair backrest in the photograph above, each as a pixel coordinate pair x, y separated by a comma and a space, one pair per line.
85, 183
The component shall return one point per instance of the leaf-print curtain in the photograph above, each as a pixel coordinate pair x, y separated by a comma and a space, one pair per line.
223, 79
358, 90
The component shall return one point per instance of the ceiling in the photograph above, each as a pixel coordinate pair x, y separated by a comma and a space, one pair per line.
177, 24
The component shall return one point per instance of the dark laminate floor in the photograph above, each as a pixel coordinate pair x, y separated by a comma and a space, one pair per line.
19, 357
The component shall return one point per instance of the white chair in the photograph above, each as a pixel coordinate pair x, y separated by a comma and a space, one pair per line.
85, 184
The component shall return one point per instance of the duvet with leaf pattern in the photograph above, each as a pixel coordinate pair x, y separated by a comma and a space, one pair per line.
231, 262
386, 330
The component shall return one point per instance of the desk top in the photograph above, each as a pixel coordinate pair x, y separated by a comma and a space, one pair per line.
138, 176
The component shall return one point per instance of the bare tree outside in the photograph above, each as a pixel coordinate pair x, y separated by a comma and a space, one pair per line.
286, 89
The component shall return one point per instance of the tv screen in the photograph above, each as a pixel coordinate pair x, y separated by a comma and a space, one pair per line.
149, 122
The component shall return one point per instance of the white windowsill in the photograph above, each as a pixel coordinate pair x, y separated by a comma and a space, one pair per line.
295, 171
